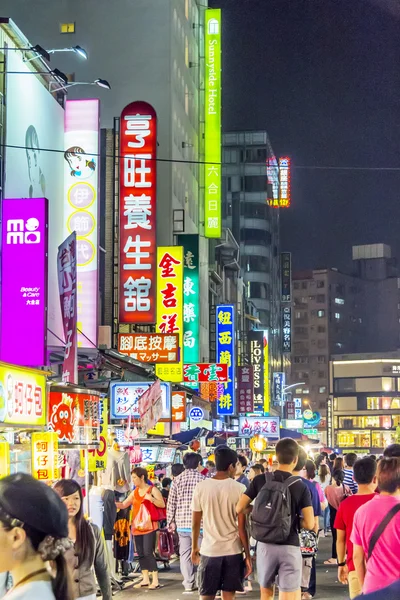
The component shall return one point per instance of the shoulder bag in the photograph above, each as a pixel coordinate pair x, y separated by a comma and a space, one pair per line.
381, 528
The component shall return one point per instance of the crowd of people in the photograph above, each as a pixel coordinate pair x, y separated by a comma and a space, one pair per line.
232, 519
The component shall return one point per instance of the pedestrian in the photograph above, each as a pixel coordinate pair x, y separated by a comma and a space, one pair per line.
88, 555
338, 464
33, 531
392, 592
240, 471
365, 477
311, 476
331, 461
255, 470
177, 469
376, 531
166, 488
392, 451
222, 566
277, 530
145, 540
349, 461
209, 470
335, 493
323, 477
179, 515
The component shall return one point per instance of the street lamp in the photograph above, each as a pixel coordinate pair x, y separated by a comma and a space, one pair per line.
46, 54
285, 388
103, 83
81, 52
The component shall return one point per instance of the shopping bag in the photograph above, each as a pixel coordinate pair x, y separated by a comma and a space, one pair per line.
142, 521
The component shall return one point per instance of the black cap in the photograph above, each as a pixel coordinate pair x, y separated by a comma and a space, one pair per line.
35, 504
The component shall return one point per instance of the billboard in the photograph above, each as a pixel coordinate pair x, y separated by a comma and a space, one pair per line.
266, 405
212, 124
81, 206
266, 426
23, 324
286, 276
284, 183
205, 372
191, 298
170, 304
279, 380
287, 329
124, 398
256, 350
74, 415
225, 337
22, 396
137, 214
34, 123
245, 387
150, 347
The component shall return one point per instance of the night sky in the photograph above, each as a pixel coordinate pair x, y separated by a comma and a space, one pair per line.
323, 78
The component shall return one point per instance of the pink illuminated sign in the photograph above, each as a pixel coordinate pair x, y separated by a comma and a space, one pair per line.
23, 331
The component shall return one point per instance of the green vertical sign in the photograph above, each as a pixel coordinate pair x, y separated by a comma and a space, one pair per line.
212, 124
191, 298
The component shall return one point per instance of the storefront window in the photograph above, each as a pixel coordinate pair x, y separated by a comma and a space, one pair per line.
381, 439
353, 439
382, 403
396, 421
377, 422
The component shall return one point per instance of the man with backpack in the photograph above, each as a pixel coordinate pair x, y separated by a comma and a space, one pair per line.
279, 499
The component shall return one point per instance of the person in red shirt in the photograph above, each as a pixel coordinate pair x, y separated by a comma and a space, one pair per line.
365, 477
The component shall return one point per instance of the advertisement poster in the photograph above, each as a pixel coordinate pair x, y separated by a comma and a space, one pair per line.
74, 416
22, 396
66, 264
124, 399
98, 456
255, 341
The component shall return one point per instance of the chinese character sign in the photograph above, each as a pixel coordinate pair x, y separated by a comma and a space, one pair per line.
150, 347
245, 389
66, 266
266, 405
290, 410
45, 456
225, 338
137, 213
81, 206
256, 350
97, 458
191, 298
212, 118
170, 304
278, 388
205, 372
286, 275
74, 416
22, 396
178, 407
124, 399
23, 290
287, 329
266, 426
284, 183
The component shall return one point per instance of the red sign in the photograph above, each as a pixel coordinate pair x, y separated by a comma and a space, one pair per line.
150, 347
74, 416
211, 391
137, 213
178, 407
245, 388
66, 266
205, 372
290, 410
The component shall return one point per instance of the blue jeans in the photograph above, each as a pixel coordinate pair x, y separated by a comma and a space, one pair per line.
326, 518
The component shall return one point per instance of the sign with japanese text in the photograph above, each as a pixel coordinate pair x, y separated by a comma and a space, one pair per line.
170, 304
97, 457
178, 407
81, 207
287, 329
45, 456
124, 398
205, 372
225, 343
256, 349
22, 396
137, 214
286, 275
266, 405
74, 415
150, 347
284, 183
278, 388
23, 289
4, 459
245, 389
66, 267
212, 124
150, 407
266, 426
191, 297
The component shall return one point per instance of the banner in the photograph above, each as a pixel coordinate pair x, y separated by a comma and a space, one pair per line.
191, 297
150, 407
98, 457
225, 335
278, 388
66, 267
245, 389
255, 340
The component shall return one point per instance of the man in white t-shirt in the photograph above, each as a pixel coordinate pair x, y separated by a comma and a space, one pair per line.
222, 566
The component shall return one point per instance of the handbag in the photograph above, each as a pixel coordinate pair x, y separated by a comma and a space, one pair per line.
157, 514
381, 528
308, 543
143, 521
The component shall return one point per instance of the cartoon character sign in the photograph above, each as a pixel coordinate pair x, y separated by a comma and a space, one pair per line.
62, 419
81, 164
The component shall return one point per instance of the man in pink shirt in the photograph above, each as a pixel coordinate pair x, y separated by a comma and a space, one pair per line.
376, 531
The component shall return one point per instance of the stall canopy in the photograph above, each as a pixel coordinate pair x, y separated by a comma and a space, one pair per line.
185, 437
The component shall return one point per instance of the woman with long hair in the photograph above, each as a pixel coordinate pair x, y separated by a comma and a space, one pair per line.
145, 541
335, 493
88, 556
33, 533
338, 465
324, 479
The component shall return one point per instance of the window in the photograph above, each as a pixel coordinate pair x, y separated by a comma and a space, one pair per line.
320, 283
301, 360
320, 298
321, 359
321, 328
345, 385
186, 51
339, 301
301, 330
255, 183
322, 389
340, 289
321, 374
296, 285
337, 316
321, 343
230, 156
258, 290
298, 315
304, 285
304, 299
256, 263
67, 28
320, 314
256, 237
254, 210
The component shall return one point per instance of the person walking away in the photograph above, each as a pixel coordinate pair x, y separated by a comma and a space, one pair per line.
338, 464
88, 553
393, 450
335, 493
33, 531
176, 470
240, 471
331, 461
323, 477
166, 488
349, 461
365, 477
376, 531
277, 530
145, 541
255, 470
222, 566
392, 592
179, 515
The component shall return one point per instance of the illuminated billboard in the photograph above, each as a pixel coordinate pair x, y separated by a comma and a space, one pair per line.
150, 347
81, 174
212, 124
124, 398
287, 329
225, 335
137, 214
170, 304
256, 350
23, 327
191, 298
279, 176
266, 405
286, 276
35, 122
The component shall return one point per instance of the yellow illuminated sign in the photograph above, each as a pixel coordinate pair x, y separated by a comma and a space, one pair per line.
4, 459
45, 456
170, 305
22, 395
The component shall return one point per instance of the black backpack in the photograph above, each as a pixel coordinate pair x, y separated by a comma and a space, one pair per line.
271, 519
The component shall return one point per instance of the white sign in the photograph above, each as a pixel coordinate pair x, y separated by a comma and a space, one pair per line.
266, 426
196, 413
124, 398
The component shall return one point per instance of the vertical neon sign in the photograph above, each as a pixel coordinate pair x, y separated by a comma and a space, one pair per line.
225, 332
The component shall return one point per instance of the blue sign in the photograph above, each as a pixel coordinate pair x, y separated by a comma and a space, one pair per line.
313, 421
124, 398
279, 384
196, 414
225, 334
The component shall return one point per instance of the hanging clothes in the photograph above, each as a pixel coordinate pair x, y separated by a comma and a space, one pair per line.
122, 534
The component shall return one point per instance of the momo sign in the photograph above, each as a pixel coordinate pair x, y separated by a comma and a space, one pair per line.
23, 325
137, 214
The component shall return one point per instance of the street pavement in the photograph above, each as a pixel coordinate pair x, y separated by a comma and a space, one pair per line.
328, 587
